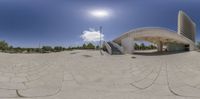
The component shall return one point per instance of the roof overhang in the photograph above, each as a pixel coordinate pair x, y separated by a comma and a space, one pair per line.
154, 35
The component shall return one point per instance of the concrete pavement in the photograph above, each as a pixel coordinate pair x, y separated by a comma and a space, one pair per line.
88, 75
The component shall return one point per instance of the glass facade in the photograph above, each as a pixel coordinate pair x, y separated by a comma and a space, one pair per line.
176, 47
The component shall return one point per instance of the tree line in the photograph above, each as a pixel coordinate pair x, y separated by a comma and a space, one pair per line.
5, 47
142, 46
85, 46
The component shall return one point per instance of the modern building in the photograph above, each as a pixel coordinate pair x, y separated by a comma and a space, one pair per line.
182, 40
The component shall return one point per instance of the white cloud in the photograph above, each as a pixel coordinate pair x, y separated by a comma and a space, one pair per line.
91, 35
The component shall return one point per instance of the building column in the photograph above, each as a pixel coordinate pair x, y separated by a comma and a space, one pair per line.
128, 45
192, 47
160, 46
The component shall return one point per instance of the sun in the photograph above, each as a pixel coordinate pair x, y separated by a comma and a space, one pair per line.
99, 13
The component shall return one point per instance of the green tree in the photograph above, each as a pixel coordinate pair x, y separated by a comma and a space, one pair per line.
47, 49
142, 46
58, 48
10, 47
90, 46
69, 48
84, 46
97, 47
18, 50
30, 50
3, 45
198, 44
152, 46
37, 50
137, 47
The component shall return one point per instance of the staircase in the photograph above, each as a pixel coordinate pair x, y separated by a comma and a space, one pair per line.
115, 50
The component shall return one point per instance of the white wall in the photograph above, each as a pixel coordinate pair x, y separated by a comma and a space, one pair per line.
192, 47
128, 45
186, 26
160, 46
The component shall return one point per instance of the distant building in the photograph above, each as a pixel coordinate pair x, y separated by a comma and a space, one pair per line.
183, 40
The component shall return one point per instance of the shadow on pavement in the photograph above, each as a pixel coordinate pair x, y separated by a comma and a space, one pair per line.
158, 53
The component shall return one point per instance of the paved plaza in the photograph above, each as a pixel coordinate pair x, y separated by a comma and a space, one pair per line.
88, 75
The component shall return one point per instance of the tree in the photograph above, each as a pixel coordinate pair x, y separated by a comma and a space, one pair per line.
137, 47
38, 50
3, 45
142, 46
97, 47
10, 47
30, 50
198, 44
69, 48
58, 48
18, 49
47, 48
152, 46
84, 46
90, 46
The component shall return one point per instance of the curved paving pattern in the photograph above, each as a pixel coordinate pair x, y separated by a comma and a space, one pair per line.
74, 76
184, 77
29, 75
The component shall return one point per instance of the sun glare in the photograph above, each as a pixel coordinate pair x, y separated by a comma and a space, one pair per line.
99, 13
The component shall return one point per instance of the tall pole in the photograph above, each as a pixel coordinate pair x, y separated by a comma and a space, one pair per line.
39, 48
100, 43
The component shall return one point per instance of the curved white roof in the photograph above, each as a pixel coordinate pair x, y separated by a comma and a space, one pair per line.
155, 34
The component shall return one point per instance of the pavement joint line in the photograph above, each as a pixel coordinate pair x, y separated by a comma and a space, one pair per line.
149, 84
112, 78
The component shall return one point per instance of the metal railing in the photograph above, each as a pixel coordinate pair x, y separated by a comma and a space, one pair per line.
118, 46
108, 47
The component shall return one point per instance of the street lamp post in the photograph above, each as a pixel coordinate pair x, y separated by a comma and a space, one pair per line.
39, 47
100, 43
100, 13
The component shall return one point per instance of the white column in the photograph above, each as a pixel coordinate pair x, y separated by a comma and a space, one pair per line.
128, 45
192, 47
160, 46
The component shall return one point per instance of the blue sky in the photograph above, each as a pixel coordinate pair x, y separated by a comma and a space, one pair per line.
27, 23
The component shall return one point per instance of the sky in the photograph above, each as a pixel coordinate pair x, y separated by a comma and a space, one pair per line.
30, 23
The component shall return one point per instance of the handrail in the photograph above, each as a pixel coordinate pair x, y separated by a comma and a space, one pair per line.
108, 47
118, 46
